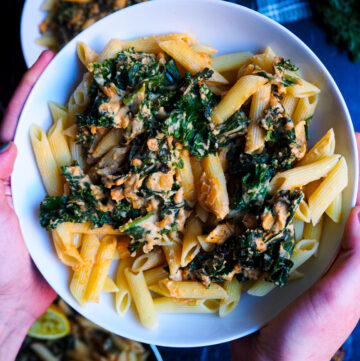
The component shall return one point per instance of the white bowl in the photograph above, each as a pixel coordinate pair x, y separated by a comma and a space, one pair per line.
31, 17
229, 28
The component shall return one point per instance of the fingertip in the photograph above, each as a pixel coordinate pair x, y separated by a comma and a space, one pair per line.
351, 238
7, 159
46, 56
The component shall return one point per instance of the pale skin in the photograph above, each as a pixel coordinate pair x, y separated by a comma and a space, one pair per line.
312, 328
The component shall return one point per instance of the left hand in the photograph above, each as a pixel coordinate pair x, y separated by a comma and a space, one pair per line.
24, 294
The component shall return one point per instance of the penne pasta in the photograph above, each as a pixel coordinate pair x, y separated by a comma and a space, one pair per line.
46, 163
302, 175
154, 275
233, 289
236, 96
333, 184
230, 62
187, 178
324, 147
122, 296
175, 305
110, 50
305, 108
289, 103
303, 89
334, 209
81, 276
85, 54
148, 260
190, 59
109, 286
190, 247
103, 259
58, 144
213, 192
192, 289
255, 137
150, 44
142, 299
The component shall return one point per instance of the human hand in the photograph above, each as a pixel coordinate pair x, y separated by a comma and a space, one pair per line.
316, 324
24, 294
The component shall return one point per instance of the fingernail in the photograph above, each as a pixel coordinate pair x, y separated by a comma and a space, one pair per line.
4, 146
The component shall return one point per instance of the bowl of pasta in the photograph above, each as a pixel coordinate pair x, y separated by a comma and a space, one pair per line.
50, 24
185, 181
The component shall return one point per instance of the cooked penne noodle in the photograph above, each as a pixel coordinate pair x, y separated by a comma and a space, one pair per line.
233, 289
334, 209
190, 247
109, 286
334, 183
175, 305
46, 163
313, 232
173, 258
80, 97
201, 213
103, 259
47, 40
264, 60
213, 192
77, 239
154, 275
190, 59
302, 175
230, 62
48, 5
298, 229
289, 103
305, 108
303, 212
77, 153
148, 260
58, 111
81, 276
71, 131
110, 50
58, 144
142, 299
72, 258
87, 229
85, 53
204, 49
109, 141
236, 96
255, 137
149, 44
122, 296
303, 89
324, 147
192, 289
187, 178
206, 246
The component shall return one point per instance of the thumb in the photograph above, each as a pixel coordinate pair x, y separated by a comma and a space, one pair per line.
351, 238
7, 159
